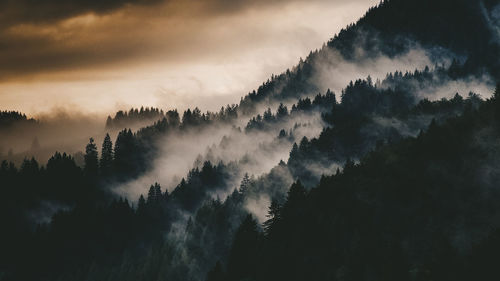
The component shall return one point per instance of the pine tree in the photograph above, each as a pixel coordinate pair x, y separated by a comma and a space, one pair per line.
243, 258
125, 153
296, 194
294, 153
245, 184
106, 156
151, 195
157, 192
273, 216
141, 204
109, 122
282, 111
91, 159
268, 115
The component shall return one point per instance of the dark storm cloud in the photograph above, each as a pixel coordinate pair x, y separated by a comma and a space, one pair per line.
68, 52
46, 11
54, 35
36, 11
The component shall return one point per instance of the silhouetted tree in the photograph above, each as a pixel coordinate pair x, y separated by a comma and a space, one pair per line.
245, 184
273, 215
127, 160
91, 167
243, 258
141, 204
106, 163
282, 111
151, 195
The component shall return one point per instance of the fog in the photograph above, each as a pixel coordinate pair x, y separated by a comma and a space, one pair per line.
253, 152
58, 130
484, 86
258, 152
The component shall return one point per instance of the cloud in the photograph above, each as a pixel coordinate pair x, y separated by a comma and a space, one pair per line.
59, 36
32, 11
169, 54
49, 11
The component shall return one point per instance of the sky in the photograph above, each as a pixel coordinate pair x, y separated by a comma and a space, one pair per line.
100, 56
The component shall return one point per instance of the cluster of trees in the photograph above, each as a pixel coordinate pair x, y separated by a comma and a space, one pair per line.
186, 253
392, 28
195, 117
91, 232
32, 192
422, 80
290, 85
428, 23
123, 119
419, 209
9, 118
136, 231
370, 113
190, 118
320, 103
418, 206
122, 161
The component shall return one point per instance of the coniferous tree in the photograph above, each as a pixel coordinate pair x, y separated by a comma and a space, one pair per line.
268, 115
282, 111
91, 159
282, 134
157, 191
141, 204
296, 195
245, 184
243, 258
109, 122
125, 153
294, 153
151, 195
106, 163
273, 215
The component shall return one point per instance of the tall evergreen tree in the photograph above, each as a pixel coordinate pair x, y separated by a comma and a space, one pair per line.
141, 205
294, 153
243, 257
282, 111
273, 216
106, 156
126, 153
151, 195
91, 159
296, 195
157, 192
245, 184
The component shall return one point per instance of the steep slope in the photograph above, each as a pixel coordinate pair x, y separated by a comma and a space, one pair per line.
422, 209
179, 235
443, 29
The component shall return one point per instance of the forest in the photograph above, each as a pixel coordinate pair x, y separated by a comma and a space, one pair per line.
390, 175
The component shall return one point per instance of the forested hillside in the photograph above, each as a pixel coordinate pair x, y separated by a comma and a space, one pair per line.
424, 208
388, 172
